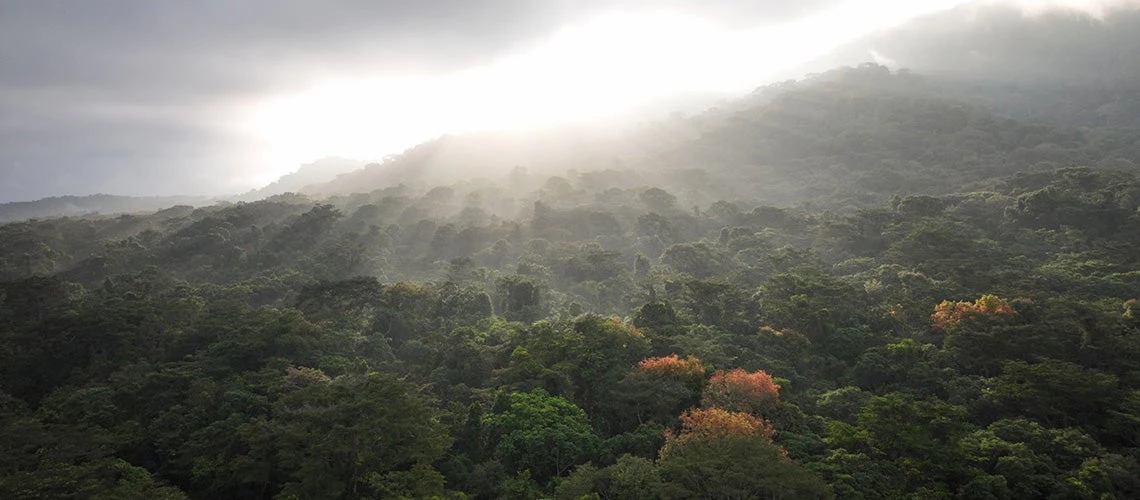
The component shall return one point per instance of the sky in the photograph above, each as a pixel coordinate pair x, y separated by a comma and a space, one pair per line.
213, 97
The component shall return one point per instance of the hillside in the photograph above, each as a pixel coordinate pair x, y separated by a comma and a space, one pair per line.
858, 285
851, 136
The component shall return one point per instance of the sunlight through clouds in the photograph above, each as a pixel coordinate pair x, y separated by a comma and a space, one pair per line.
592, 71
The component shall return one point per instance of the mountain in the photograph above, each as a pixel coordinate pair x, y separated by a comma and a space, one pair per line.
854, 135
1020, 89
491, 155
318, 172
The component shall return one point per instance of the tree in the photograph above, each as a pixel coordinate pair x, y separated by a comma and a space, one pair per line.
714, 425
657, 200
308, 229
688, 370
721, 454
659, 317
608, 348
918, 436
541, 433
1056, 392
357, 436
1022, 459
699, 260
464, 305
657, 390
345, 304
811, 302
631, 477
408, 311
66, 460
737, 390
949, 313
519, 298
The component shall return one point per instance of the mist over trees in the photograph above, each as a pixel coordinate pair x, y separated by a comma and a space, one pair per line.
1001, 43
864, 284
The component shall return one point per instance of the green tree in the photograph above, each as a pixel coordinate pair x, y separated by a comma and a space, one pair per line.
358, 436
737, 467
630, 477
544, 434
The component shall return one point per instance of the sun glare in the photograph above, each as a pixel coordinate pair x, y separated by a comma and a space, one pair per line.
596, 70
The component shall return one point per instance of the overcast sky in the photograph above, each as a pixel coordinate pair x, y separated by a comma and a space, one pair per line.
218, 96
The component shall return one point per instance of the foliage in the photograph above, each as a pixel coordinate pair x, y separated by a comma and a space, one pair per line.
700, 425
948, 313
737, 466
543, 434
551, 334
672, 366
740, 391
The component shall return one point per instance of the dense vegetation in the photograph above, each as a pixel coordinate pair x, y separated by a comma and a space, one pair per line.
853, 287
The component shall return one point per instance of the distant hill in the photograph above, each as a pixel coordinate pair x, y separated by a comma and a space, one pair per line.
95, 204
318, 172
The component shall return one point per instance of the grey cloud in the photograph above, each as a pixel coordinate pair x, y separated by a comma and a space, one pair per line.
215, 45
134, 157
119, 95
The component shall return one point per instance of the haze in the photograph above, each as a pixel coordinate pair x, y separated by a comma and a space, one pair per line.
210, 98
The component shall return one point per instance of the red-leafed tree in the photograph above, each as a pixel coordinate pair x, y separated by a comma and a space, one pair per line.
740, 391
949, 313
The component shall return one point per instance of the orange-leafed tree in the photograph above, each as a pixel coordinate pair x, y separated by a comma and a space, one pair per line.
741, 391
711, 425
685, 369
672, 365
949, 313
723, 454
657, 389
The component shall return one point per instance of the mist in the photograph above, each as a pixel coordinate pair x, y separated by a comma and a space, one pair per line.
228, 99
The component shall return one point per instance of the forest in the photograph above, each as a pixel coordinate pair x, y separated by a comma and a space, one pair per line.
863, 284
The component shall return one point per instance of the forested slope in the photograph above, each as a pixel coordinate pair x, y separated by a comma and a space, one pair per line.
850, 136
852, 286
